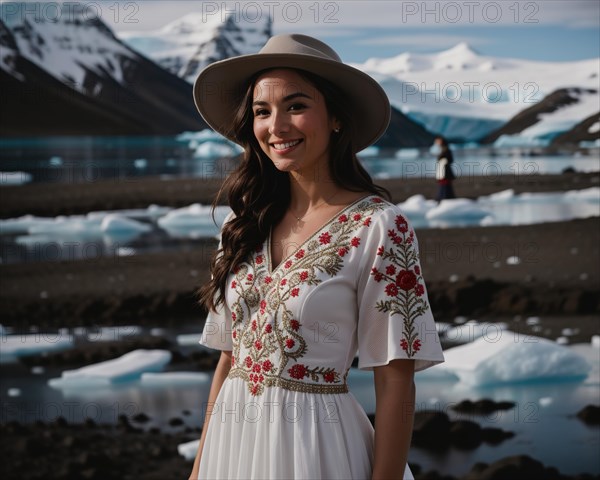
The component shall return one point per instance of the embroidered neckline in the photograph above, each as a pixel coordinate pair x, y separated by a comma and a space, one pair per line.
271, 271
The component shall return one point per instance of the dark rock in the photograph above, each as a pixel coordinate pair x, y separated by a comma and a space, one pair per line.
431, 430
141, 418
590, 415
495, 436
465, 435
517, 468
175, 422
481, 407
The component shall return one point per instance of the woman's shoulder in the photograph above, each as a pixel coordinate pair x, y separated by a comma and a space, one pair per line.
383, 211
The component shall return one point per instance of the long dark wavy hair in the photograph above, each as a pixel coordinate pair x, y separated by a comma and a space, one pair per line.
259, 194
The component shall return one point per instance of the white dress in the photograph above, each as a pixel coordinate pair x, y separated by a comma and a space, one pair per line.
284, 411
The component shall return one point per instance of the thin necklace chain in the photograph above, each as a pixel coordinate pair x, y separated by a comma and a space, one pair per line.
299, 219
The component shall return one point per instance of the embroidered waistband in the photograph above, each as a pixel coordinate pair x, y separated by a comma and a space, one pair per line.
256, 388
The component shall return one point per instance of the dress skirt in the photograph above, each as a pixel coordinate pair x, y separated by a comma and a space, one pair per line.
285, 434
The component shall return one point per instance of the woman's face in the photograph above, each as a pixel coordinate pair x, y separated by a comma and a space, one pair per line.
291, 121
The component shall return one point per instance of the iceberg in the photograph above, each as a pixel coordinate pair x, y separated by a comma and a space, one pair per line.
513, 358
193, 221
14, 346
122, 369
188, 450
116, 224
210, 149
187, 339
174, 378
457, 208
114, 334
14, 178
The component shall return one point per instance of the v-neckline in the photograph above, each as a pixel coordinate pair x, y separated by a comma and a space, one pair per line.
272, 270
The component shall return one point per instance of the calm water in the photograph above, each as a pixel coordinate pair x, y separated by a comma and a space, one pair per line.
88, 159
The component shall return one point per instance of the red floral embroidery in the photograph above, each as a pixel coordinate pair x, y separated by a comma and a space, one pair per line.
267, 330
378, 275
234, 334
297, 371
377, 200
404, 289
233, 284
391, 290
325, 238
406, 280
401, 224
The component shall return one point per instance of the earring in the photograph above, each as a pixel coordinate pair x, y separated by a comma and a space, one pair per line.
336, 129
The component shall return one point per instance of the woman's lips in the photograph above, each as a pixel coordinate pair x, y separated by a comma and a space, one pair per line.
285, 147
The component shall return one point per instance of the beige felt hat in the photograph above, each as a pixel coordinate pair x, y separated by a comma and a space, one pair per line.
221, 85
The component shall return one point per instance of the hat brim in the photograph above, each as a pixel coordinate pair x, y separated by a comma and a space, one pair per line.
220, 86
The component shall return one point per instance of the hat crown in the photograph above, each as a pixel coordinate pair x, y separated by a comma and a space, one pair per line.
297, 44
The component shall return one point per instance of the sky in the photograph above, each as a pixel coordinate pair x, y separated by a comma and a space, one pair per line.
546, 30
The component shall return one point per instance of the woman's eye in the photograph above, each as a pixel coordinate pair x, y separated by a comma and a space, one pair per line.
261, 112
297, 106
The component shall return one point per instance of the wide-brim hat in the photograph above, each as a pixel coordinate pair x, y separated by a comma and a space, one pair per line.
221, 85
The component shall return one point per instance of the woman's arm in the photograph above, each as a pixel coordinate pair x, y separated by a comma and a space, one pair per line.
218, 378
394, 415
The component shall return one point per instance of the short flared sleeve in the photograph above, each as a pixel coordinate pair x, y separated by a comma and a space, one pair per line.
394, 315
217, 328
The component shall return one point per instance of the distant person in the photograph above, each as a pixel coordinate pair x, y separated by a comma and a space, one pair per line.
443, 169
314, 264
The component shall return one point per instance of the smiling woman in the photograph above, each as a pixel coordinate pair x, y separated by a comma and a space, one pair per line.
313, 265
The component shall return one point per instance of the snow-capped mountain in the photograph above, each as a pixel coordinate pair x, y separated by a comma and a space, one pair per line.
186, 45
71, 75
587, 131
465, 95
554, 114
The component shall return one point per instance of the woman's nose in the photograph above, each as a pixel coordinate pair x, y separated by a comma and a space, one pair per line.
279, 123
